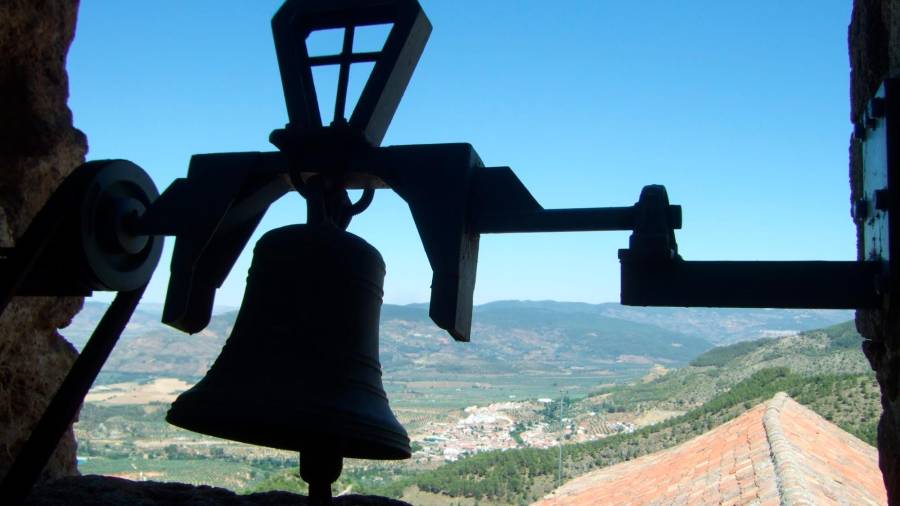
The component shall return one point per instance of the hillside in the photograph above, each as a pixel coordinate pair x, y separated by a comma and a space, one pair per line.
822, 369
524, 475
832, 350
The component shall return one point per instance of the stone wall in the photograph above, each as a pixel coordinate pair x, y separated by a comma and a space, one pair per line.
38, 148
874, 42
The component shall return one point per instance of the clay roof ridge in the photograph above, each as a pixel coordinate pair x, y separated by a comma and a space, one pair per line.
788, 478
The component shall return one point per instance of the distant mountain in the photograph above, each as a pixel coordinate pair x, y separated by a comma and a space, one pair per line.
717, 325
85, 321
507, 338
516, 338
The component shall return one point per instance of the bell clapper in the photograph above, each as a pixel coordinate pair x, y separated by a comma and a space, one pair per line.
320, 468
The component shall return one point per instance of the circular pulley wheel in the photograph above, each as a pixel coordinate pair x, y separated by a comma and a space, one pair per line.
115, 193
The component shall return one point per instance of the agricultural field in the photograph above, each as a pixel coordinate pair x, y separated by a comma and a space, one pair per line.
486, 419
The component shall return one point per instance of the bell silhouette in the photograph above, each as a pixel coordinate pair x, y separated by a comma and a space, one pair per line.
300, 370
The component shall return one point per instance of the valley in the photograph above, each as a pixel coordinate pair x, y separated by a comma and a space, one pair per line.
536, 375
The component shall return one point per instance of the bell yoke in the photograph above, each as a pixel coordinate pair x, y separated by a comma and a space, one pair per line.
309, 319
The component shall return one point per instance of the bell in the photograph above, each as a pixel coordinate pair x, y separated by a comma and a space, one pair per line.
300, 370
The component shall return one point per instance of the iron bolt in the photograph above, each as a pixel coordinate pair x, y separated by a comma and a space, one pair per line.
882, 285
859, 209
882, 199
876, 108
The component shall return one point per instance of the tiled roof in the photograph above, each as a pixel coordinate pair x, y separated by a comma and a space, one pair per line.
779, 452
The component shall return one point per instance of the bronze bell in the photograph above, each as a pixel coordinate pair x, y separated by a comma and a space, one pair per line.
300, 370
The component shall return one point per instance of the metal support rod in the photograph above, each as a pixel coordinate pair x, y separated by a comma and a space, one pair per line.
61, 412
565, 220
319, 493
340, 101
336, 59
20, 260
802, 284
320, 468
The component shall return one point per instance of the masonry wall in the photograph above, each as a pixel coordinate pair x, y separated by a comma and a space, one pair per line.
38, 148
874, 43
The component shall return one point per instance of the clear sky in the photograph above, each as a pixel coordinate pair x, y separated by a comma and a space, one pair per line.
739, 108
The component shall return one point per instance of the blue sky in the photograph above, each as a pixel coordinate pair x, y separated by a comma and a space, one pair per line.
739, 108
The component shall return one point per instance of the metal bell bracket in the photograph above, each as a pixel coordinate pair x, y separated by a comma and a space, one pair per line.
453, 197
653, 274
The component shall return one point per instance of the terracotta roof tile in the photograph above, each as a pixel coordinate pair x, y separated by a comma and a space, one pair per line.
779, 452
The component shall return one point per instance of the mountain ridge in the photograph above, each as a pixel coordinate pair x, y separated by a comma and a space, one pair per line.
508, 337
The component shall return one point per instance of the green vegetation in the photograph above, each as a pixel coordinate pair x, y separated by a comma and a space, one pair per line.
516, 433
832, 350
824, 370
842, 336
556, 408
455, 391
521, 476
852, 402
511, 477
215, 472
134, 441
382, 476
721, 355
